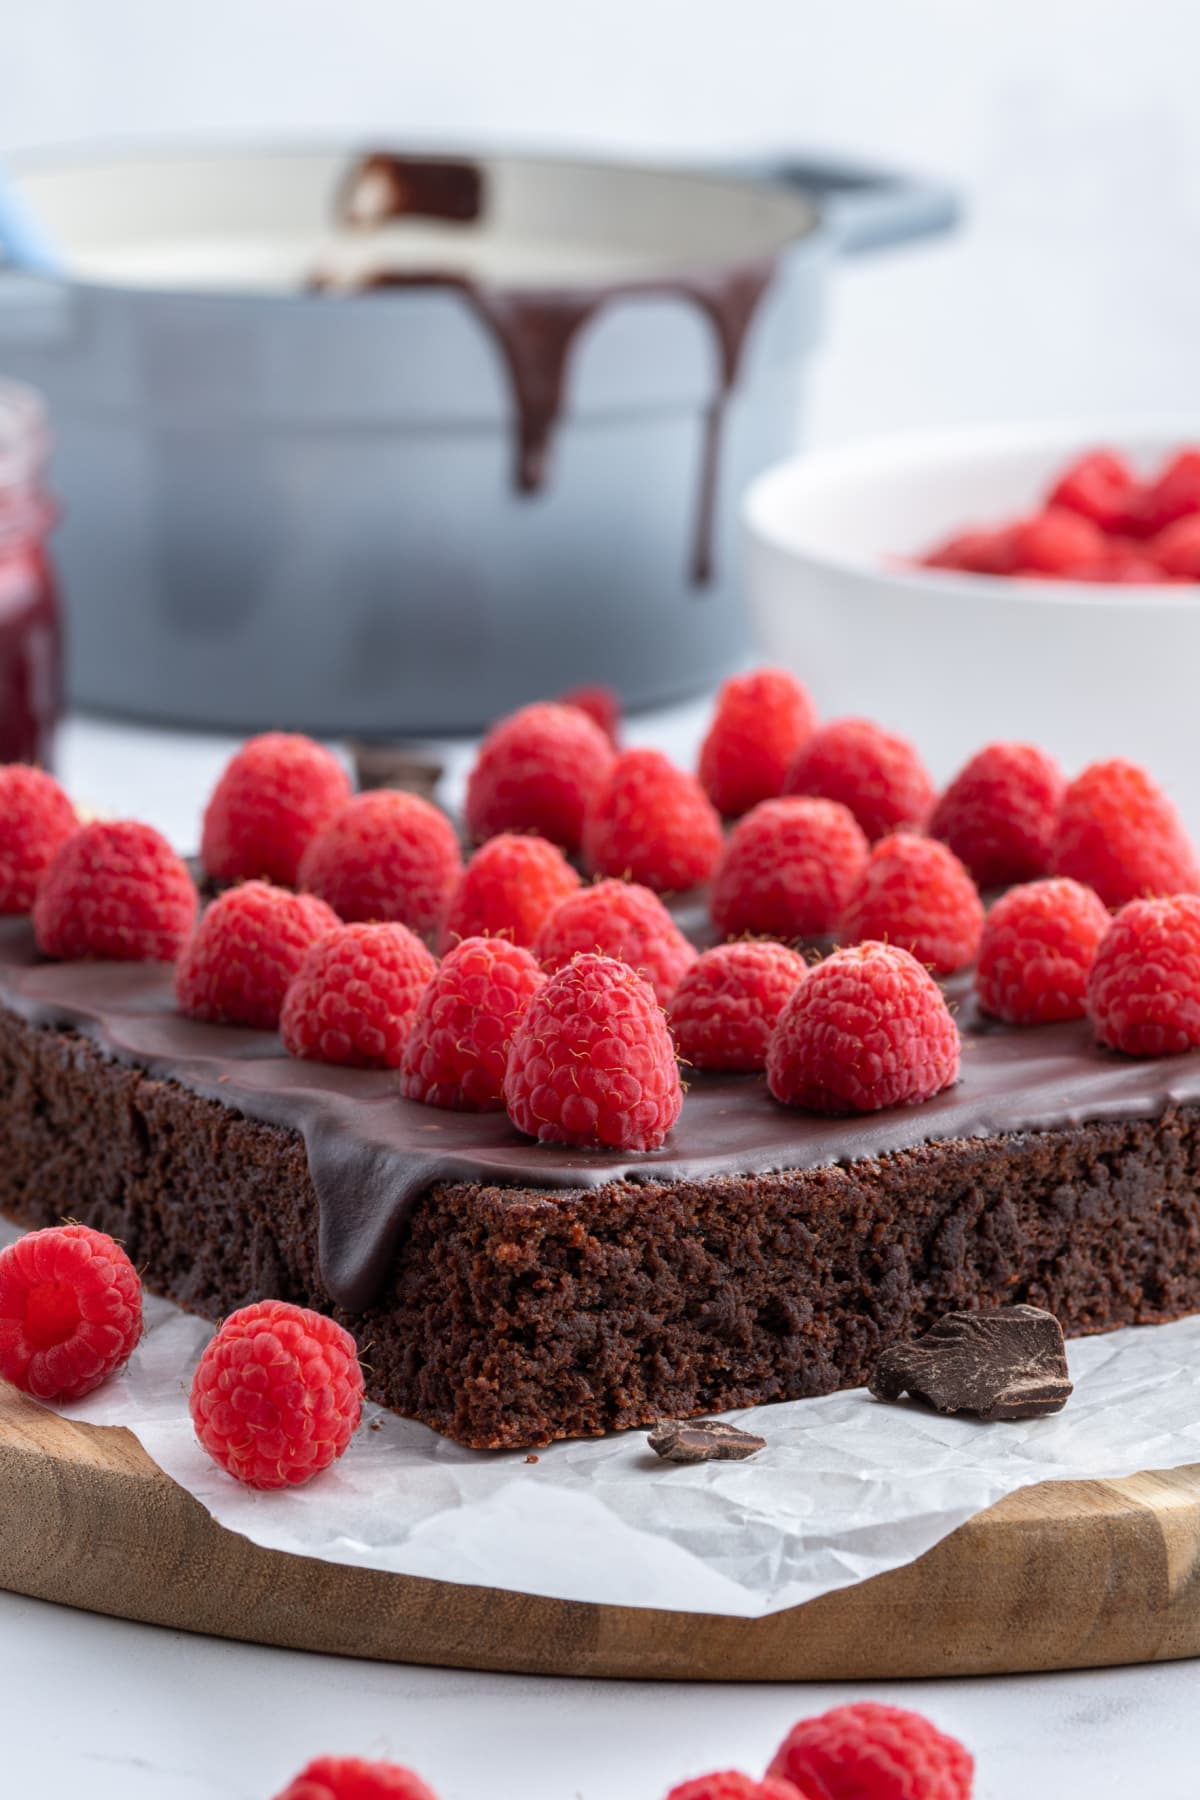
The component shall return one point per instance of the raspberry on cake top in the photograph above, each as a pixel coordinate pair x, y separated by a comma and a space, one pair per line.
420, 1001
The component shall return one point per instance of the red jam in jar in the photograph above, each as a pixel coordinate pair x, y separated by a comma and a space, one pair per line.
30, 628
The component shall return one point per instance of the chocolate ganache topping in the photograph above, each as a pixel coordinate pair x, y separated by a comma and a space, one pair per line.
535, 329
372, 1154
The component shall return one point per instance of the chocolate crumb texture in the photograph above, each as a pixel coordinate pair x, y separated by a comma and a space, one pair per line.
703, 1440
1010, 1363
768, 1287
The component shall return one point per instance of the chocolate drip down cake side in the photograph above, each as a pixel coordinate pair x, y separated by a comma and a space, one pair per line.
531, 1229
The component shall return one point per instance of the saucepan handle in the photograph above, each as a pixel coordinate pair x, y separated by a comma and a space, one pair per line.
866, 208
24, 241
35, 304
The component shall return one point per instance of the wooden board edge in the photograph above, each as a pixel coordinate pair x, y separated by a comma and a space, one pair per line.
1065, 1575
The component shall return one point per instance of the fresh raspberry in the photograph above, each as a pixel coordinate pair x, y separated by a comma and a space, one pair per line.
277, 1394
1121, 564
457, 1052
652, 823
726, 1006
871, 1752
538, 770
36, 819
984, 551
1037, 947
508, 889
914, 892
867, 1028
116, 890
245, 951
1098, 486
730, 1784
1057, 542
788, 869
1173, 494
1176, 549
70, 1311
349, 1778
273, 798
878, 775
386, 856
592, 1062
354, 997
760, 722
1000, 813
621, 920
1119, 834
1144, 984
602, 706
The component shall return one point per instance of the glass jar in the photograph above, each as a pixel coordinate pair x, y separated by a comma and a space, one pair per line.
30, 627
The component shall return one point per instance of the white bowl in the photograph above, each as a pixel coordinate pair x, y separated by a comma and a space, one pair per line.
1086, 670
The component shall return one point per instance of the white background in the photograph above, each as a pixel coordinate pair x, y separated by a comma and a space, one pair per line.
1073, 128
1071, 124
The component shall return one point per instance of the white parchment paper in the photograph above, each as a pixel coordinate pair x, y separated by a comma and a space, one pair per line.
847, 1487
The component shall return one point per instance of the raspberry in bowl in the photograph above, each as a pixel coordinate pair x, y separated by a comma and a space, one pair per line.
1024, 585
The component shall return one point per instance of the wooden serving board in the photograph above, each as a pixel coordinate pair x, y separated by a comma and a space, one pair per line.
1067, 1575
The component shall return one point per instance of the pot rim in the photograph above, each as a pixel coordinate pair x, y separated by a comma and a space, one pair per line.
810, 229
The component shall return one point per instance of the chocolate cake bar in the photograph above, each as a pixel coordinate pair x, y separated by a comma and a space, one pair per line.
509, 1294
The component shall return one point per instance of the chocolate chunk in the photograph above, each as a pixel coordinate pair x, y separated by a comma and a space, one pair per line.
378, 765
381, 187
703, 1440
1006, 1364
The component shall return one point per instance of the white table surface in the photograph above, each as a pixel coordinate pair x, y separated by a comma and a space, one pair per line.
116, 1711
121, 1710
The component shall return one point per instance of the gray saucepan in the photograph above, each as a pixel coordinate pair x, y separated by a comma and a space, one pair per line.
386, 443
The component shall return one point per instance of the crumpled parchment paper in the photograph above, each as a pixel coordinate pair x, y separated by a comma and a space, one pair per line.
846, 1489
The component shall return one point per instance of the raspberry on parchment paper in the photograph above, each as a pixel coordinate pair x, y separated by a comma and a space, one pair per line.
277, 1394
70, 1311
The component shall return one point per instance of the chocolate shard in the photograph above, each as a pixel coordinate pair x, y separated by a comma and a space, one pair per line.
703, 1440
1006, 1364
